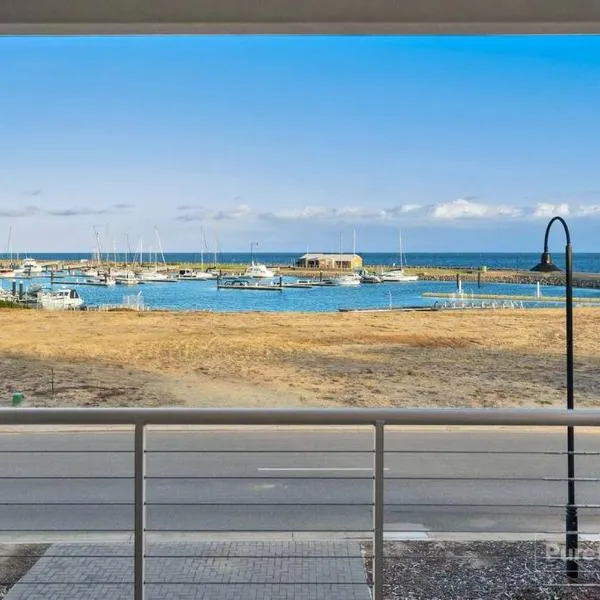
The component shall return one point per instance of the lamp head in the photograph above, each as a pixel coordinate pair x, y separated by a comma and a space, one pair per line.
546, 265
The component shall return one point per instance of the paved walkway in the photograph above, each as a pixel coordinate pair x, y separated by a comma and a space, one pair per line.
199, 571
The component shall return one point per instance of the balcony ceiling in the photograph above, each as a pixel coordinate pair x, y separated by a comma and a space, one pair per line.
298, 16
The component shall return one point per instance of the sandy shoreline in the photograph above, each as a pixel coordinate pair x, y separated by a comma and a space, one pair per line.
489, 358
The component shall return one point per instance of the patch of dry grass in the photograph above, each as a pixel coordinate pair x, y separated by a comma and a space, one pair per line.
486, 358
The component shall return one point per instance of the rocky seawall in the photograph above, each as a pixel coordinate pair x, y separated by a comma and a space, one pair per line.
580, 280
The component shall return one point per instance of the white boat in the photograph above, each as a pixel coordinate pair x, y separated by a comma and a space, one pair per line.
156, 277
29, 268
366, 277
191, 275
61, 299
258, 271
398, 275
347, 280
126, 278
6, 273
101, 281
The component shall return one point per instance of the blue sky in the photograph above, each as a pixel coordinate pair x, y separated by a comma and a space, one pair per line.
465, 144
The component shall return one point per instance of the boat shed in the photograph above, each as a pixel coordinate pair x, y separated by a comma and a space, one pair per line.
330, 261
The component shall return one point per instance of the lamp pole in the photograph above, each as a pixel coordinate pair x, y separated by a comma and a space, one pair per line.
571, 521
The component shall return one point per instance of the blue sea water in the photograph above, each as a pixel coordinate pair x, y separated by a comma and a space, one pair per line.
582, 262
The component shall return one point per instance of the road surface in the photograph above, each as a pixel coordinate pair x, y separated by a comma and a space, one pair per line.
271, 482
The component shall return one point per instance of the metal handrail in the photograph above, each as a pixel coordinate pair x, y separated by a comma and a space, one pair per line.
290, 416
377, 419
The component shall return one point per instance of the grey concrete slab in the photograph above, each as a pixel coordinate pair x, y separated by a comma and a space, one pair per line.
310, 570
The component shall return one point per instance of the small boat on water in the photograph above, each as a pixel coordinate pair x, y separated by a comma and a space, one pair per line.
370, 278
192, 275
156, 277
242, 284
61, 299
101, 281
29, 268
347, 280
258, 271
299, 283
397, 276
7, 273
126, 278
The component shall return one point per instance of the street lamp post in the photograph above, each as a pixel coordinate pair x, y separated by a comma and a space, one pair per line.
252, 244
545, 266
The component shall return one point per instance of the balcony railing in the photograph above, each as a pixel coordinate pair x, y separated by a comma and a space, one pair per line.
137, 425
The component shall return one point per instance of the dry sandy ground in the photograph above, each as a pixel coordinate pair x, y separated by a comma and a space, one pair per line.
486, 358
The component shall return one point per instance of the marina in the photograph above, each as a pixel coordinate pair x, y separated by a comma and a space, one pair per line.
293, 294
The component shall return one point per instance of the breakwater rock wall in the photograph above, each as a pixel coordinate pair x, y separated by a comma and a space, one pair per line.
580, 280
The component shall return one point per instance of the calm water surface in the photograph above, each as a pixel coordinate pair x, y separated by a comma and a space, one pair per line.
203, 295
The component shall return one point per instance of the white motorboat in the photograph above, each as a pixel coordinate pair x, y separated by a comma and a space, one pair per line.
7, 273
61, 299
366, 277
192, 275
126, 278
101, 281
156, 277
258, 271
347, 280
29, 268
397, 276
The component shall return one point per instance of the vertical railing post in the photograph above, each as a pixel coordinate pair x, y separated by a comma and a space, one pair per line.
378, 504
139, 511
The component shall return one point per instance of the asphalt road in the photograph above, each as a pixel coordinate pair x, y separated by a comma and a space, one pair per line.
270, 482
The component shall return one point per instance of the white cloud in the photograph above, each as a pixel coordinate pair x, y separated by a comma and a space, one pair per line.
202, 213
467, 209
239, 212
587, 210
545, 210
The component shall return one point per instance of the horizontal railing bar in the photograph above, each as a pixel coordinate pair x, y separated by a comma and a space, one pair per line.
272, 504
65, 477
449, 478
44, 530
366, 452
250, 451
475, 505
188, 556
299, 477
262, 556
496, 452
188, 582
94, 504
43, 451
295, 529
246, 477
307, 416
259, 504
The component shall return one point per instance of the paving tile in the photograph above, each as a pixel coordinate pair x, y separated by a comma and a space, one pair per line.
199, 571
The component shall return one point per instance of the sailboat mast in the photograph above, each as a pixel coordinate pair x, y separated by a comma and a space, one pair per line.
400, 248
162, 254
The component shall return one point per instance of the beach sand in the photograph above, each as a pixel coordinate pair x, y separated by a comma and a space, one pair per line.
396, 359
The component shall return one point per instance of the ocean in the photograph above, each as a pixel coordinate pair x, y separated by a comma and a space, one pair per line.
584, 262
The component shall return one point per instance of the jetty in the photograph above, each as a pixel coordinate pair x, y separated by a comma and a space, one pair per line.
519, 298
